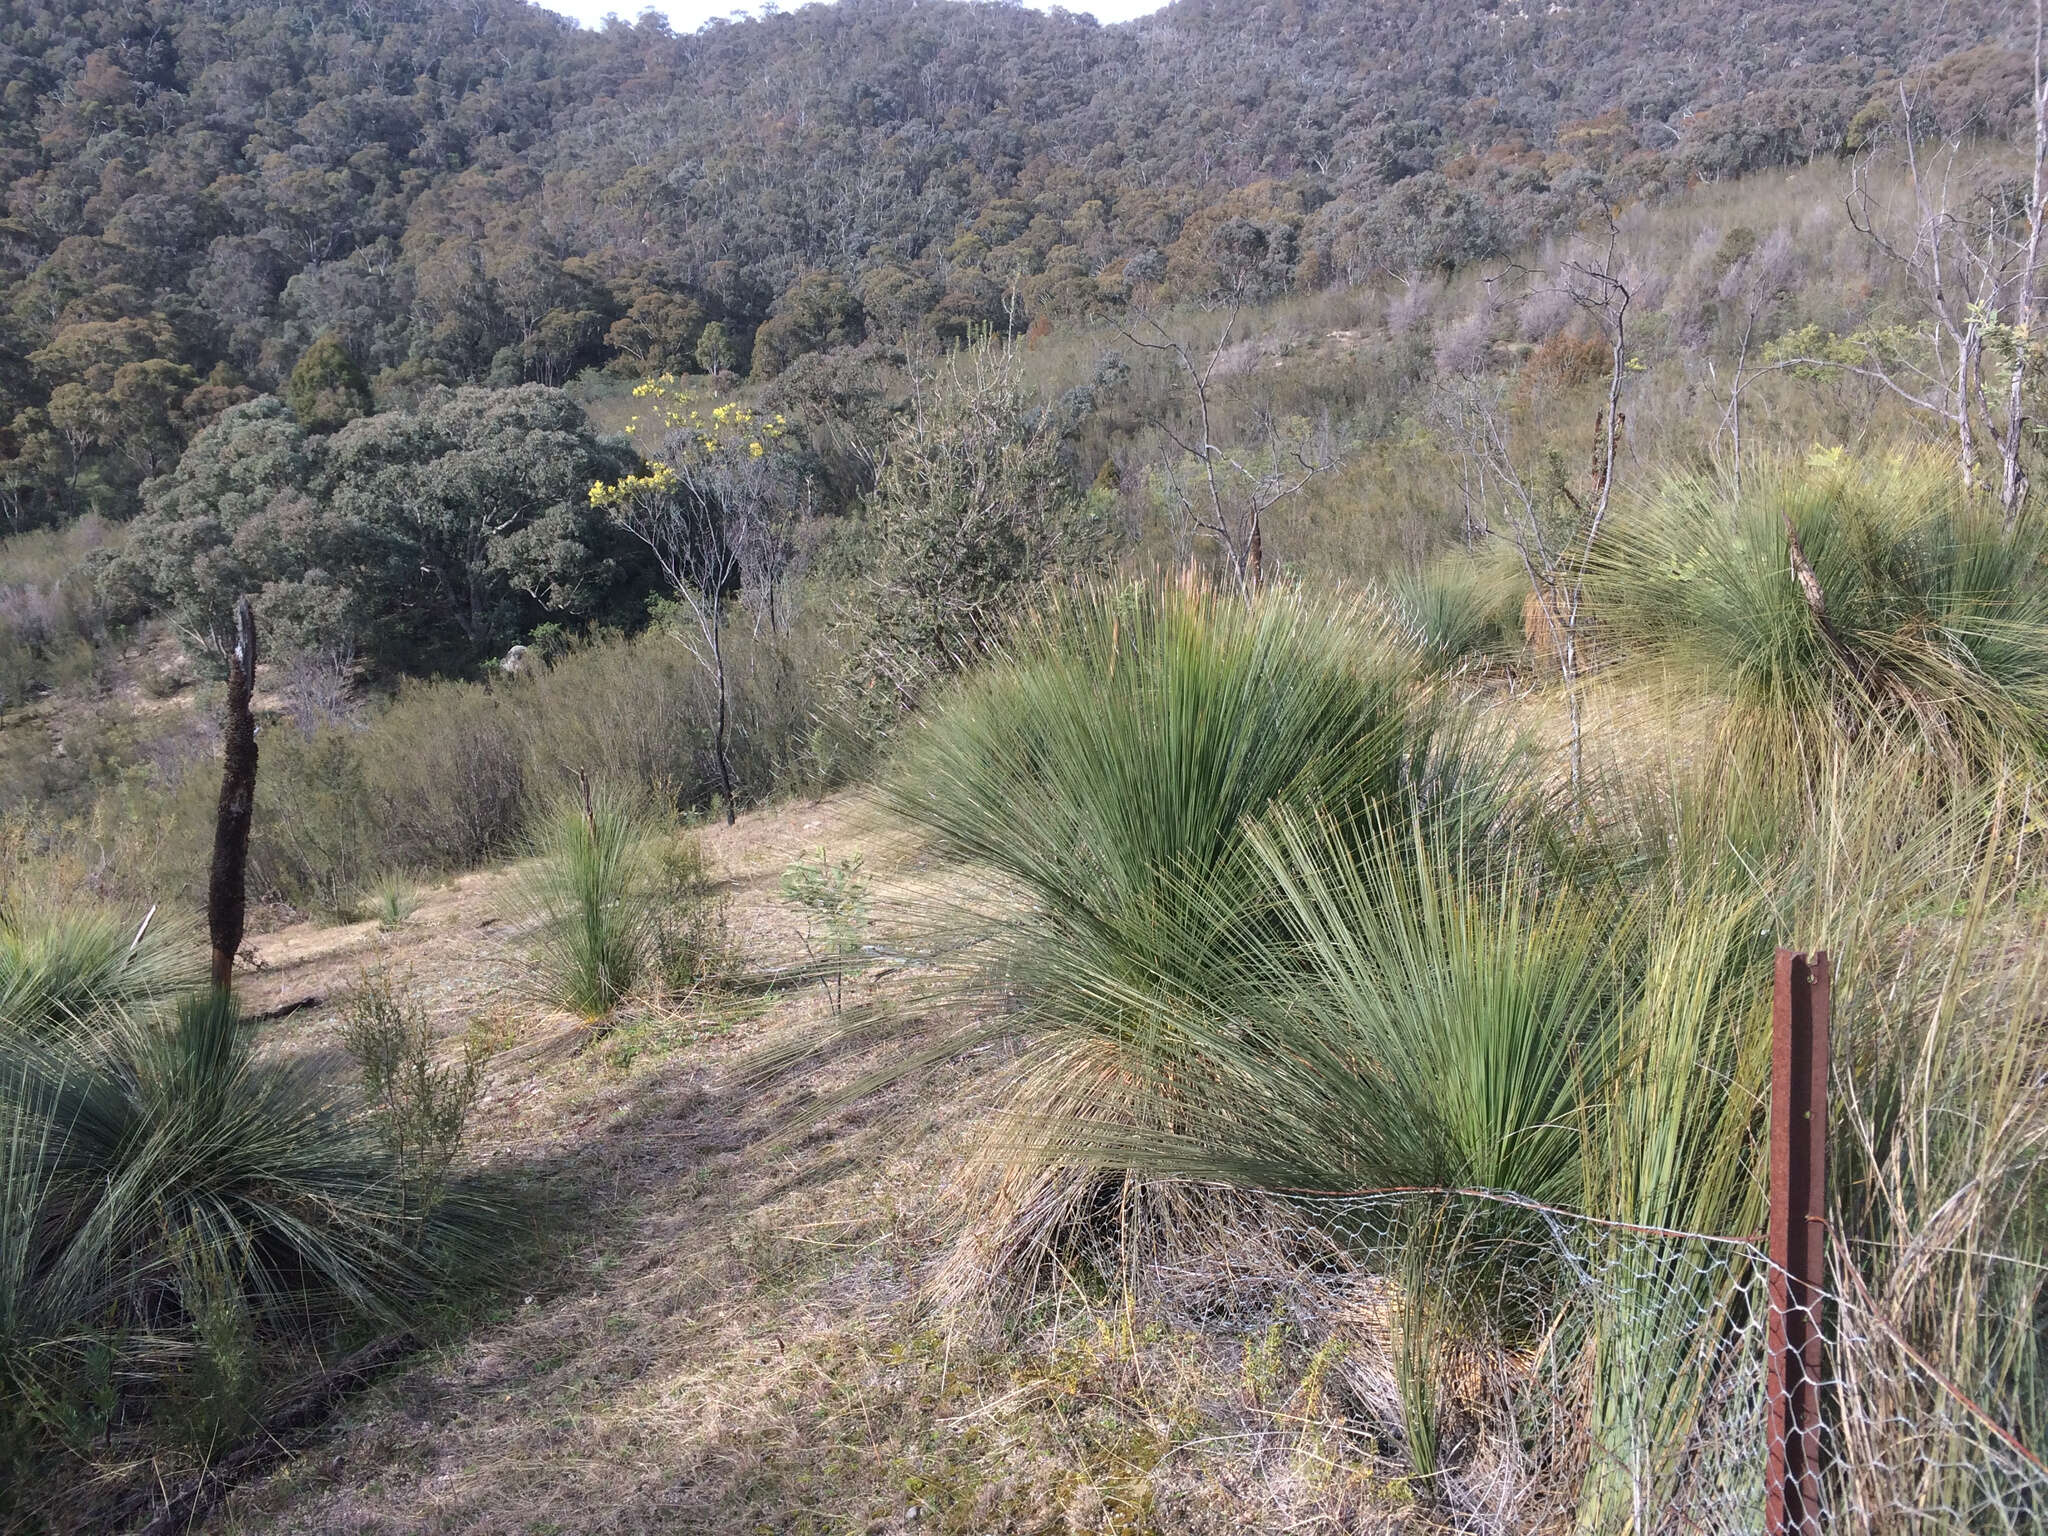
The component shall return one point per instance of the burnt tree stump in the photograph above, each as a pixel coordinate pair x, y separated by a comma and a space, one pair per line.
227, 883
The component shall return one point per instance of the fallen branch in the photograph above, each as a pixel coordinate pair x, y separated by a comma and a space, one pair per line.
284, 1010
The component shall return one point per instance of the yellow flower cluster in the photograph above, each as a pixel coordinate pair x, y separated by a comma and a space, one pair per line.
694, 433
661, 478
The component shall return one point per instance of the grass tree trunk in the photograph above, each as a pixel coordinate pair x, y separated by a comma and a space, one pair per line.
227, 882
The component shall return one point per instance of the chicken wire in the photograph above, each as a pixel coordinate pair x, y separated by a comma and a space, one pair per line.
1570, 1373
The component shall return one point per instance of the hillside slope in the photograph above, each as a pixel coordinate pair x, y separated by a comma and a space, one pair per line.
194, 192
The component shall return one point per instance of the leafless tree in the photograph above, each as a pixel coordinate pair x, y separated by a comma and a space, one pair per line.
1556, 551
1967, 243
1217, 492
721, 527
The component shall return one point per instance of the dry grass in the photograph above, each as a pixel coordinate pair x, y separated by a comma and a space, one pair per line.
727, 1339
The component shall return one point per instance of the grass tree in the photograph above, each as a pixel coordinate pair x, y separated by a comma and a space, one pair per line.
589, 893
1847, 601
172, 1208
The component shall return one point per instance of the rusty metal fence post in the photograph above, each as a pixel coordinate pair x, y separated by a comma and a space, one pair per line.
1798, 1234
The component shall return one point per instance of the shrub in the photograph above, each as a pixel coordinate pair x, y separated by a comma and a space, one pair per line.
446, 768
833, 894
692, 940
588, 890
420, 1110
319, 830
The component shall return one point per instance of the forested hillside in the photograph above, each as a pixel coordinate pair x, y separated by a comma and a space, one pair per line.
479, 192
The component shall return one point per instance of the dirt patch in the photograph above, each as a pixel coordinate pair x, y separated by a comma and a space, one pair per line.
736, 1335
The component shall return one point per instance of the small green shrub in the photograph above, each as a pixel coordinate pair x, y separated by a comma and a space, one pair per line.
421, 1110
693, 943
833, 895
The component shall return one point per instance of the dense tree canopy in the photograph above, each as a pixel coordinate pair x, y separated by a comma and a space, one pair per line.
417, 538
194, 193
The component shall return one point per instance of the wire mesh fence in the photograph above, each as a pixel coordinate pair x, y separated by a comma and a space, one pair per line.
1560, 1372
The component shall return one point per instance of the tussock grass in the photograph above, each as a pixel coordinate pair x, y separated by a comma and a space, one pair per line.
589, 889
1461, 607
1099, 789
169, 1206
392, 900
75, 966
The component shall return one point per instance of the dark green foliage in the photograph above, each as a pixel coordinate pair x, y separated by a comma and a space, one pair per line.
819, 313
420, 539
198, 198
327, 390
973, 515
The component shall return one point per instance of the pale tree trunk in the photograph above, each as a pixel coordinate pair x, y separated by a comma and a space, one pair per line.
2012, 491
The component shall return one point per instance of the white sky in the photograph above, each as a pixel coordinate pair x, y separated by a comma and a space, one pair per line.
688, 15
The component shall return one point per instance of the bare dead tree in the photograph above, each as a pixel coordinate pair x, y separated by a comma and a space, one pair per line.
1231, 490
1555, 551
716, 516
1971, 255
227, 881
1755, 283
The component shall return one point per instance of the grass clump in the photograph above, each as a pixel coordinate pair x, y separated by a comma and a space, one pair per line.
72, 967
392, 900
589, 889
1461, 608
1102, 787
1105, 774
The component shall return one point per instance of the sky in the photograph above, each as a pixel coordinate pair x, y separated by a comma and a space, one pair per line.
688, 15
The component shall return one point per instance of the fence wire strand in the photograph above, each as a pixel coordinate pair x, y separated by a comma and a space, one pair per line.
1561, 1372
